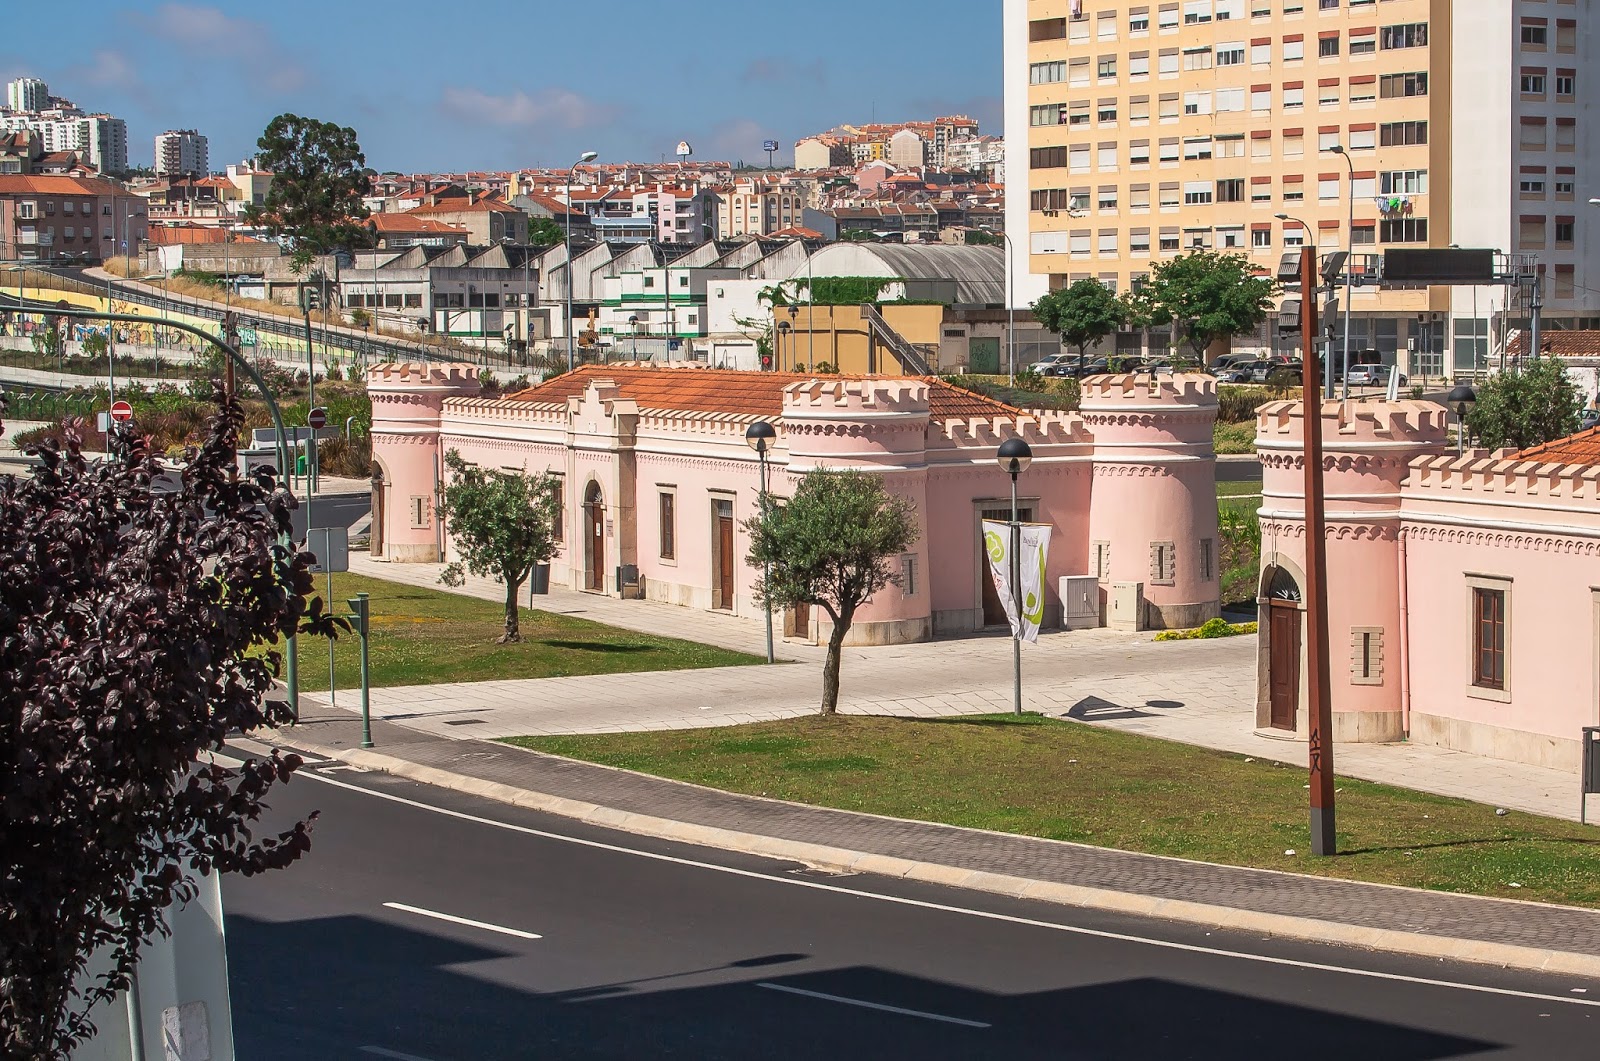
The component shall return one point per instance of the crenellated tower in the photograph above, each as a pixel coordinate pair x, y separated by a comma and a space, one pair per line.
407, 402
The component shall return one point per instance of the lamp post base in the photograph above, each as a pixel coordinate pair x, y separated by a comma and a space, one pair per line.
1322, 834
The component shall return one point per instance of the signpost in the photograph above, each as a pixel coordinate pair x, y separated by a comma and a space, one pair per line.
360, 612
769, 146
316, 418
121, 412
331, 545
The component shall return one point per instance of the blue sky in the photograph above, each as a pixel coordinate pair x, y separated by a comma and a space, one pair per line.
496, 84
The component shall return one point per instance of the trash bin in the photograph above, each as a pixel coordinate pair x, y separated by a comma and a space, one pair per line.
539, 581
300, 464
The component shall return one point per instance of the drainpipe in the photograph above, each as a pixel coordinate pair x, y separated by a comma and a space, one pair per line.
1405, 640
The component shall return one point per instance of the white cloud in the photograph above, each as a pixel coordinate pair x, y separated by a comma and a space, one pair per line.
551, 107
210, 32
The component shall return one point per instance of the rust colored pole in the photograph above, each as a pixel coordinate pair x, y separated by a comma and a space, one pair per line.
1320, 709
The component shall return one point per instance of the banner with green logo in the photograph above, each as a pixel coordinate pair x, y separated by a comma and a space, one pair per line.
1035, 548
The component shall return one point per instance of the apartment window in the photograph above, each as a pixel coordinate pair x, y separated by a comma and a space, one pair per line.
1261, 99
1294, 98
1533, 85
1402, 134
1047, 114
1139, 153
1197, 103
1533, 135
1168, 240
1403, 230
1260, 238
1106, 156
1530, 232
1139, 109
1535, 32
1169, 106
1489, 630
1328, 94
1230, 145
1261, 191
1169, 198
1565, 84
1139, 199
1047, 158
1231, 190
1294, 145
1260, 53
1196, 193
1167, 18
1106, 200
1403, 182
1328, 188
1139, 241
1078, 158
1327, 47
1230, 237
1563, 232
1163, 563
1167, 63
1196, 12
1363, 90
1566, 134
1139, 21
27, 210
1230, 54
1139, 66
66, 208
1394, 86
1106, 68
1363, 139
1566, 35
1107, 243
1197, 58
1405, 35
1047, 73
1363, 42
1366, 655
1078, 71
1565, 189
1106, 114
667, 502
1078, 112
1047, 29
1532, 187
1169, 150
1566, 281
1197, 147
1294, 50
1078, 244
1050, 199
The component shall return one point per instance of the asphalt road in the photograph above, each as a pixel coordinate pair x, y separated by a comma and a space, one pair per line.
335, 510
488, 932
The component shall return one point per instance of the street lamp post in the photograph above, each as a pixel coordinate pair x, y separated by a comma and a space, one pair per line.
1015, 455
1011, 304
1350, 166
783, 330
1310, 293
633, 326
761, 436
1462, 397
587, 156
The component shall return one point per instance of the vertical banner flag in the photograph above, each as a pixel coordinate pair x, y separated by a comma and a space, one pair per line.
1035, 549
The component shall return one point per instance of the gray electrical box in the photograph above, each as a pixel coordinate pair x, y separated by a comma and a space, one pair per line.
1080, 602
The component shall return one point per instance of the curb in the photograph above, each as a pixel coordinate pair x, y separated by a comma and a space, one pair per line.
1207, 915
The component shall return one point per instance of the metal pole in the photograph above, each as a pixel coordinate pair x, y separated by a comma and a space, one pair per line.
366, 680
1534, 321
1320, 686
811, 315
333, 700
567, 241
767, 565
1016, 601
136, 1051
1349, 274
1011, 363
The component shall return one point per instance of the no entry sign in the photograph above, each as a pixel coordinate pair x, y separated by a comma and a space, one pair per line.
317, 418
121, 411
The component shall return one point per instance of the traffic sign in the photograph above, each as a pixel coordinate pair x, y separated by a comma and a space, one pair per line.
121, 411
316, 418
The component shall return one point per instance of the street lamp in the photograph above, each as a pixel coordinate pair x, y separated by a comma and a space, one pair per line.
1462, 397
761, 436
1311, 294
1338, 149
1015, 455
777, 359
587, 156
633, 323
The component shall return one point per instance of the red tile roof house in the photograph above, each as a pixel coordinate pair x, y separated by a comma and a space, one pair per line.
657, 477
58, 218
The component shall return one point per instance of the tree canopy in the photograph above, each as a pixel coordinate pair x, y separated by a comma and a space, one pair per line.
1209, 296
318, 179
545, 232
1525, 406
1081, 314
831, 546
137, 631
502, 524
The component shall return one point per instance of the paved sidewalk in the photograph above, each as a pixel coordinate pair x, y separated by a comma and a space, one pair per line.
1196, 692
1522, 935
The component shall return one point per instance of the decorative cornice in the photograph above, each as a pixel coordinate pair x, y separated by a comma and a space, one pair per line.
1514, 540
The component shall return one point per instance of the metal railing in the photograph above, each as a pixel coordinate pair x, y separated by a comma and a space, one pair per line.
911, 360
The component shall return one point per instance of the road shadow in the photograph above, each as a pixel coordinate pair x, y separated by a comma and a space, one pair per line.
597, 646
326, 987
1487, 841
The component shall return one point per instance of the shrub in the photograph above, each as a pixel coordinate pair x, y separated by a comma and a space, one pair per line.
1234, 438
1031, 381
1235, 405
1212, 628
1070, 392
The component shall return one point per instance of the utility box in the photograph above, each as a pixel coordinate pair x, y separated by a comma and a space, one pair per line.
1080, 602
1125, 607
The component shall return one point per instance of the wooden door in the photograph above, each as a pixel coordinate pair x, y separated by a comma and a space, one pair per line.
1283, 646
594, 525
724, 550
375, 536
802, 621
994, 613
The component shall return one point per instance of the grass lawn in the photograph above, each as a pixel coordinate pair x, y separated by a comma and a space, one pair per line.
1234, 438
1071, 781
1245, 489
423, 636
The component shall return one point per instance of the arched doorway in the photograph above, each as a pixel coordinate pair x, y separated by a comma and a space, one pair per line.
377, 534
1282, 625
594, 538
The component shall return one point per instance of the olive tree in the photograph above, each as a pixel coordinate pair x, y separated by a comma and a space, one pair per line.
1525, 406
1208, 296
830, 546
137, 632
502, 523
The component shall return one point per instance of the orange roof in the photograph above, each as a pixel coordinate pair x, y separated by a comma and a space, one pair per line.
409, 222
454, 205
168, 235
713, 390
1582, 449
1559, 343
15, 184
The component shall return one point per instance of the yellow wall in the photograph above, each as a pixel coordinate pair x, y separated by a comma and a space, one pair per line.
838, 335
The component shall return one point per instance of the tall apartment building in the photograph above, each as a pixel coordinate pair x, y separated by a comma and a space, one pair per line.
1139, 130
27, 94
103, 142
180, 151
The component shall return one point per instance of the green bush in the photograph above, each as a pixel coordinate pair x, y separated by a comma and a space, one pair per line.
1234, 438
1212, 628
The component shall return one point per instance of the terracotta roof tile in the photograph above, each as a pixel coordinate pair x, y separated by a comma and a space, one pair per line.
1559, 343
734, 392
1581, 449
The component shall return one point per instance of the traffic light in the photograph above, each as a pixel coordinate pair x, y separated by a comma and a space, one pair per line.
310, 299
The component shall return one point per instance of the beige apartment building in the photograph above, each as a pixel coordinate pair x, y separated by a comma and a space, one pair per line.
1137, 131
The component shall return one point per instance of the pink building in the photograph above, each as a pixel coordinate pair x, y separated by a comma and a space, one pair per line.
1464, 591
657, 481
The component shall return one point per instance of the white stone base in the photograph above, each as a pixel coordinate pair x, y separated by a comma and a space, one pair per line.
1497, 742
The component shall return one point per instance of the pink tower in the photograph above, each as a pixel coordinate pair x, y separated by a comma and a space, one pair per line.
407, 401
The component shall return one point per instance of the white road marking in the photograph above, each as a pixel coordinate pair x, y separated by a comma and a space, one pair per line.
343, 766
395, 1054
226, 761
453, 919
875, 1005
989, 915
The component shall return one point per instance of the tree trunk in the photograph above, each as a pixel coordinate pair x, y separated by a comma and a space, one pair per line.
513, 628
830, 669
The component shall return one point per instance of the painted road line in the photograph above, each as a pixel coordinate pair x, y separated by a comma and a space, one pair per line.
988, 915
396, 1055
453, 919
879, 1006
226, 761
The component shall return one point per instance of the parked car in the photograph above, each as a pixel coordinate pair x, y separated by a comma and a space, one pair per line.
1372, 376
1057, 364
1238, 372
1590, 418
